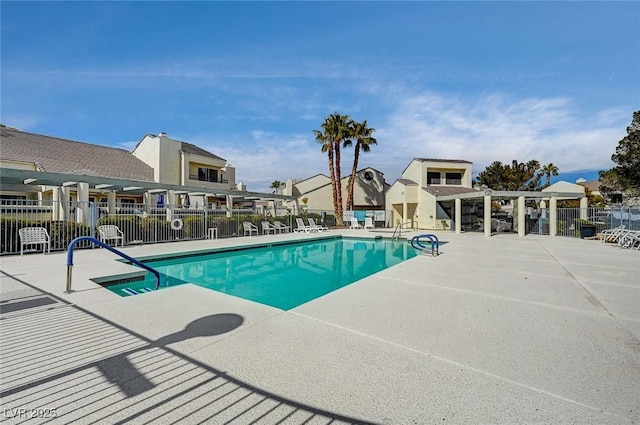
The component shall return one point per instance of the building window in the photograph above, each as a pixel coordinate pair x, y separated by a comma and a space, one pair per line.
368, 175
433, 178
13, 199
454, 178
207, 174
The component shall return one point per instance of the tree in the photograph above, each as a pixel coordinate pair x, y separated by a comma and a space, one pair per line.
335, 130
547, 171
517, 176
362, 135
277, 186
625, 177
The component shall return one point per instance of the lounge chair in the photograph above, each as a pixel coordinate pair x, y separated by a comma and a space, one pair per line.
316, 227
249, 228
110, 232
368, 223
500, 225
630, 239
281, 227
268, 228
612, 235
301, 227
355, 224
34, 236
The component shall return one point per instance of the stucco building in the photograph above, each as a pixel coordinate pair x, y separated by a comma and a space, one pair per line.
315, 193
46, 168
412, 198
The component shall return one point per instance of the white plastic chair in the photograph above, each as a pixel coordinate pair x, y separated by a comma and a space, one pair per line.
110, 232
268, 228
249, 228
355, 224
612, 235
316, 227
281, 227
301, 227
368, 223
34, 236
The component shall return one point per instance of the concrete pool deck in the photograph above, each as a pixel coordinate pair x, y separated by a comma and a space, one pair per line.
500, 330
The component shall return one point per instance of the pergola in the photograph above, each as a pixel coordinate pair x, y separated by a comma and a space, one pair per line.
488, 195
61, 183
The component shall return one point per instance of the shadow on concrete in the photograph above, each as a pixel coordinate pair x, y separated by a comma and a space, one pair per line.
89, 368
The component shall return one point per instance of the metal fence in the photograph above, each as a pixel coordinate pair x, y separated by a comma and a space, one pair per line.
145, 224
581, 222
139, 223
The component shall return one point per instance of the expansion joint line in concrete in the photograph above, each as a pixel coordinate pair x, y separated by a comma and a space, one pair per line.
593, 299
462, 365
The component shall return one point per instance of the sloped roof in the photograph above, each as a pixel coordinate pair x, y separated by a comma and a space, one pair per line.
57, 155
563, 186
592, 185
190, 149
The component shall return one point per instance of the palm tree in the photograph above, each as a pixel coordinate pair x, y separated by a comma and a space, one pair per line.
549, 170
277, 186
364, 140
522, 176
335, 130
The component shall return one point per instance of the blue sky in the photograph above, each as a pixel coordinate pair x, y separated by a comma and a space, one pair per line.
250, 81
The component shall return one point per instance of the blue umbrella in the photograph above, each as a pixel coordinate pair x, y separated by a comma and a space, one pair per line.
161, 200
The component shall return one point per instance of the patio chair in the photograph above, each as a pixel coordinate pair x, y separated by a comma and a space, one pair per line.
301, 227
281, 227
630, 239
355, 224
612, 235
368, 223
268, 228
316, 227
499, 225
34, 236
110, 232
249, 228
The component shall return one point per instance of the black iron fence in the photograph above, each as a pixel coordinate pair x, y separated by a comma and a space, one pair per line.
139, 223
584, 222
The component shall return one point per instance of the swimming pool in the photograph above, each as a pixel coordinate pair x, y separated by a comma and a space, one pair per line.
279, 275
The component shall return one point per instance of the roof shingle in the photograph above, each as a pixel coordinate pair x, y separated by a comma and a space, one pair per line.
58, 155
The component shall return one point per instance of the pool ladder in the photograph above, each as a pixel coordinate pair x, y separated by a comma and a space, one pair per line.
415, 242
397, 232
73, 243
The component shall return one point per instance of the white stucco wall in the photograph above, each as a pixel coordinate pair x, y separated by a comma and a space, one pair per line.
310, 184
366, 193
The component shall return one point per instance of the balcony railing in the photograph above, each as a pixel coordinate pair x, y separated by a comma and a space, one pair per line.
210, 180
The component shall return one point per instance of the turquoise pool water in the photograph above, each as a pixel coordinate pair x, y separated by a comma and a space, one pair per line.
282, 276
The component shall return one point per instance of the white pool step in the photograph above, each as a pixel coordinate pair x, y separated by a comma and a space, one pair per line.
130, 291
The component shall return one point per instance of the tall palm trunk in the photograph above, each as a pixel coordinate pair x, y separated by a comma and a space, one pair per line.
330, 150
338, 192
352, 179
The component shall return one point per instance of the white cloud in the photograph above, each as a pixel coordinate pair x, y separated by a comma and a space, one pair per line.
484, 129
496, 128
268, 157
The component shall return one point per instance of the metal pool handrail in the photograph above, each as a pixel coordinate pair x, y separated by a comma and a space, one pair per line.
110, 248
415, 242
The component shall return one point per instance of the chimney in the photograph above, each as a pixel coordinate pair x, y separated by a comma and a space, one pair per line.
162, 134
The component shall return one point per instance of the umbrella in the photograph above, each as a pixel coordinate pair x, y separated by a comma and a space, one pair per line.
161, 200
